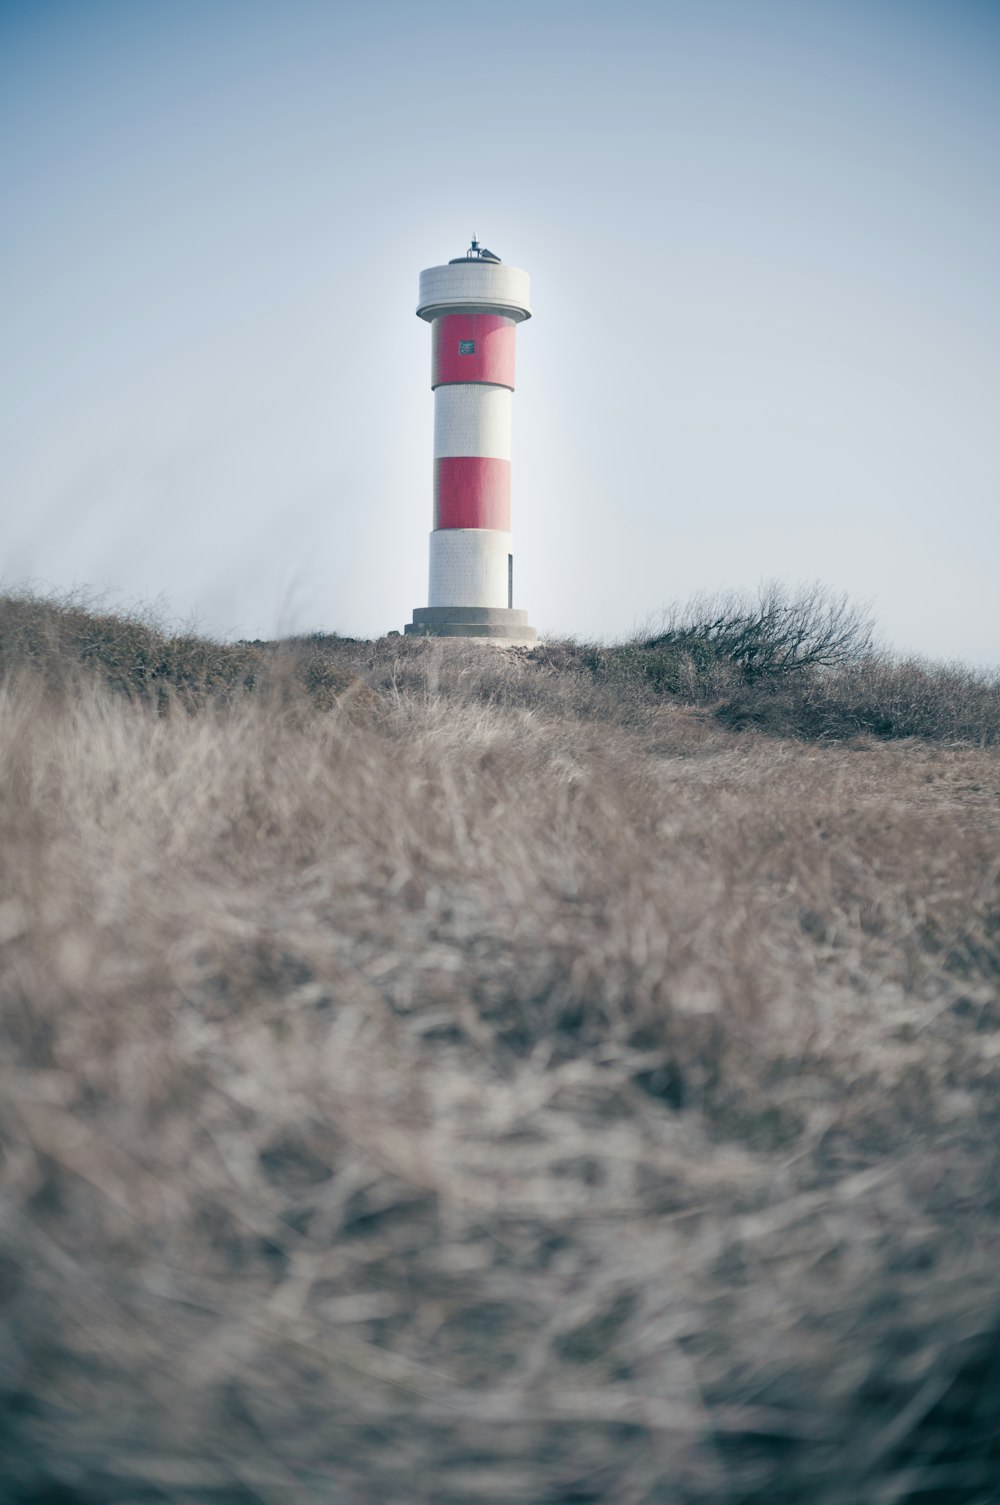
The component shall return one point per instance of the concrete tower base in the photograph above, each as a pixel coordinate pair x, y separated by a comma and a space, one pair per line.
501, 622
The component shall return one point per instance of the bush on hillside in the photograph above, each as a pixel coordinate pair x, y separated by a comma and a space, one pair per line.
776, 633
789, 664
714, 645
134, 656
878, 696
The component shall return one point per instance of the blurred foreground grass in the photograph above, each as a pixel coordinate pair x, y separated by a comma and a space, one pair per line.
443, 1076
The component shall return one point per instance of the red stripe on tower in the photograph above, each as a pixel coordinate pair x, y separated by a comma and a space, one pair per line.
473, 347
472, 492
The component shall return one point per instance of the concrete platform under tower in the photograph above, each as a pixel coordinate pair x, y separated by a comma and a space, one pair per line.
471, 622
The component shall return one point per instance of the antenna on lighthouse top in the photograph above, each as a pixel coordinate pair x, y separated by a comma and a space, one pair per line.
476, 252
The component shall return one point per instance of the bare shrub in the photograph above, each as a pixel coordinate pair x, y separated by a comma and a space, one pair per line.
776, 633
485, 1100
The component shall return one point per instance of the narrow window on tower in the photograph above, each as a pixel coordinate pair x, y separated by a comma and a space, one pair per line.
466, 347
510, 581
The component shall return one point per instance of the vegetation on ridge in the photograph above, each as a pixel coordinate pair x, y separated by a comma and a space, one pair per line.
797, 664
438, 1077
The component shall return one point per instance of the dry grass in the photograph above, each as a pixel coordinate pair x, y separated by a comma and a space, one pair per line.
494, 1088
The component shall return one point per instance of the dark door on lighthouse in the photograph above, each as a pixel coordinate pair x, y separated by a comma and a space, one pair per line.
510, 580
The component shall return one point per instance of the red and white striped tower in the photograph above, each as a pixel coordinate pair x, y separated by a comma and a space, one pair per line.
474, 305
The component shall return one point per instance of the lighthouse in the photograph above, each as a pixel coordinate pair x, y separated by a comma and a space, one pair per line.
473, 305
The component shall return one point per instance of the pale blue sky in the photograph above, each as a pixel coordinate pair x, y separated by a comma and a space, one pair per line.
763, 239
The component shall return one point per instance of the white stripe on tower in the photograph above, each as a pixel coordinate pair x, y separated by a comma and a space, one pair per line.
472, 419
469, 567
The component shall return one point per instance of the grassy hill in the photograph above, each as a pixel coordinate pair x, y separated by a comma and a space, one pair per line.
437, 1075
